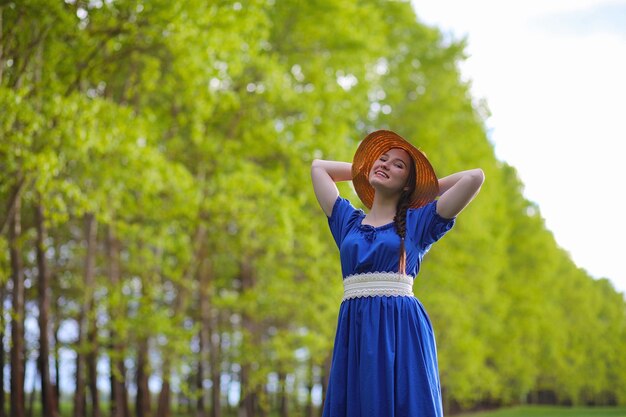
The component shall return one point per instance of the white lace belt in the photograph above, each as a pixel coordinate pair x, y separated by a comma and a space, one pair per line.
377, 284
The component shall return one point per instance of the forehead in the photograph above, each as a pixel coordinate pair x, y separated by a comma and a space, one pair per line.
399, 154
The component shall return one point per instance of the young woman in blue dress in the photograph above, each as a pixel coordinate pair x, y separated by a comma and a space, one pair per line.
384, 360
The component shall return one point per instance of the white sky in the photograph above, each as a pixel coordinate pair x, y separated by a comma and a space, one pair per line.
554, 75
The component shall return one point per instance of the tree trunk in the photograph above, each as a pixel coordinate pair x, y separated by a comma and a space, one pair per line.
142, 401
204, 284
57, 364
179, 307
246, 403
80, 406
92, 329
17, 321
249, 404
184, 404
13, 204
325, 375
215, 358
164, 403
283, 406
200, 375
119, 408
119, 395
55, 323
92, 361
310, 385
48, 404
2, 353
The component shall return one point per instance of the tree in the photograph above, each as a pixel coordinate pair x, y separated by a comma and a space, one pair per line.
155, 179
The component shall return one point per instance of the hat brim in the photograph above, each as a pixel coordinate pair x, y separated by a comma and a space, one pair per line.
379, 142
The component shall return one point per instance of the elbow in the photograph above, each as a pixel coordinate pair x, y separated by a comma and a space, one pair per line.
477, 177
315, 164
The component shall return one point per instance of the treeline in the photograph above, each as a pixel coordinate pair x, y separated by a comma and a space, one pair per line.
159, 231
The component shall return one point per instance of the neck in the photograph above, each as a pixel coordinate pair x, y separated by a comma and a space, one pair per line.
383, 208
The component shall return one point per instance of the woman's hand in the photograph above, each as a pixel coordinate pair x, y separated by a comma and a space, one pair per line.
457, 191
324, 175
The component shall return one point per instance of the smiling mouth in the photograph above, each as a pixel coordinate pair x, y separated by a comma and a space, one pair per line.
381, 174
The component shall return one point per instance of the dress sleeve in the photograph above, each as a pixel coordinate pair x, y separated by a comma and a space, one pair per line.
425, 226
341, 219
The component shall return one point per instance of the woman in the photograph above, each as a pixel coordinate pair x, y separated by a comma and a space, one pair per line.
384, 359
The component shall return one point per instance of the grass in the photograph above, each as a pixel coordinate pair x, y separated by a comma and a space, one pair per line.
519, 411
552, 411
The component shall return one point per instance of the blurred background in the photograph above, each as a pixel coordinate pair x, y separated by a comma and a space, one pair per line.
552, 73
162, 252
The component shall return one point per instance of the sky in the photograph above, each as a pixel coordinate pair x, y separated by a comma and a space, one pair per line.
553, 73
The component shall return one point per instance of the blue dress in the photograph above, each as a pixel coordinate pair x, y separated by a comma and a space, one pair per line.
384, 360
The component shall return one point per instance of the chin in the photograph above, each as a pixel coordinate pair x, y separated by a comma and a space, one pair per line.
374, 181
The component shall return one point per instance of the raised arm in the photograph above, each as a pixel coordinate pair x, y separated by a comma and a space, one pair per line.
457, 191
324, 175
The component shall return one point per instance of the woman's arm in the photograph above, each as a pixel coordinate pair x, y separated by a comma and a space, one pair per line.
457, 191
324, 175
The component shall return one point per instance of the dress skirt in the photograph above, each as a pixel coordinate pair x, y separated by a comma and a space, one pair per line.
384, 360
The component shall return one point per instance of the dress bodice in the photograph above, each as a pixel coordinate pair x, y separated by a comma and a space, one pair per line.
365, 248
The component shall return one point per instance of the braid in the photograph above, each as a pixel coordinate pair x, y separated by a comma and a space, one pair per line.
399, 219
400, 224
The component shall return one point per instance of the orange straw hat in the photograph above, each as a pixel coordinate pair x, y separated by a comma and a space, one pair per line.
372, 147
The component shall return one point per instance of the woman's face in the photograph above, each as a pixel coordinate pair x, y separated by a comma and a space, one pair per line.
391, 170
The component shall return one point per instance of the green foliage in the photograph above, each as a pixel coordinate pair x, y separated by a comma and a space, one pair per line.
165, 119
551, 411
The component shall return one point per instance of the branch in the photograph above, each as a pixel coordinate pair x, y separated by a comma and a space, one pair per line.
29, 54
13, 198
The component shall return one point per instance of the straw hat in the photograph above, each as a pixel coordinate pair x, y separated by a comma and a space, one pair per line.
379, 142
